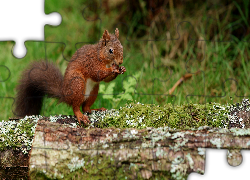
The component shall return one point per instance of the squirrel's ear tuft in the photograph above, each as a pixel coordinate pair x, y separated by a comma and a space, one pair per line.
105, 37
117, 33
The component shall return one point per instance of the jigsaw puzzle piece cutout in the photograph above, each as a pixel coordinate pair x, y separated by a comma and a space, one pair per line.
217, 168
29, 22
88, 17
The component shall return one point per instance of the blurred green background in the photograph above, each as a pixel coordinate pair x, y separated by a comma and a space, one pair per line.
163, 40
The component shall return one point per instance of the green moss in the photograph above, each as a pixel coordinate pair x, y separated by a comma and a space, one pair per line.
100, 166
18, 134
137, 115
104, 166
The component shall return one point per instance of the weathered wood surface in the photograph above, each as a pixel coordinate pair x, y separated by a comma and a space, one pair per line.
14, 164
60, 151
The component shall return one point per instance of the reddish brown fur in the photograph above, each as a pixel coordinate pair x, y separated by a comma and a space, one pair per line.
88, 66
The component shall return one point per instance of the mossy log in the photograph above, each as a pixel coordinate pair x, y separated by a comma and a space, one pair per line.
66, 152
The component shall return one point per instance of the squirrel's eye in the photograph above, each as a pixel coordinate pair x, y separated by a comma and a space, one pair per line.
111, 51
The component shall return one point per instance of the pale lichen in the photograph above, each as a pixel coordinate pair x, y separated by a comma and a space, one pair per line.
18, 134
178, 170
190, 160
201, 151
75, 164
217, 142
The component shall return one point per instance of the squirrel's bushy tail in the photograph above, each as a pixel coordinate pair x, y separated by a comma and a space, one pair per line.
39, 79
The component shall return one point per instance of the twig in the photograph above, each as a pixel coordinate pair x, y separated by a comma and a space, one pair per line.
183, 78
85, 169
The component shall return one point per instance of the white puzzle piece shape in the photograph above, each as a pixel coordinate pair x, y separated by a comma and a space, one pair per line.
217, 167
24, 20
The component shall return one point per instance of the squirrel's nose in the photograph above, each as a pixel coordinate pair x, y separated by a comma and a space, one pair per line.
120, 63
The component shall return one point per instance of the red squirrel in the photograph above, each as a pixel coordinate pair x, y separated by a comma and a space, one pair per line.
90, 65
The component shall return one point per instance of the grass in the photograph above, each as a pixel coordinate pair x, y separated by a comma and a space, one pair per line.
224, 65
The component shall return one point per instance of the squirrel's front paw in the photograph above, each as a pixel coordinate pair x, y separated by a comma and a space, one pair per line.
115, 69
122, 70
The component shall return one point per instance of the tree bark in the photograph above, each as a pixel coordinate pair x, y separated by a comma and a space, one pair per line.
60, 151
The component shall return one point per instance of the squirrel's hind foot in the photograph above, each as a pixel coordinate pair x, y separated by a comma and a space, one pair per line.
83, 119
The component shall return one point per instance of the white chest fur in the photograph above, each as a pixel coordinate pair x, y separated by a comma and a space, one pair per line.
109, 65
89, 87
